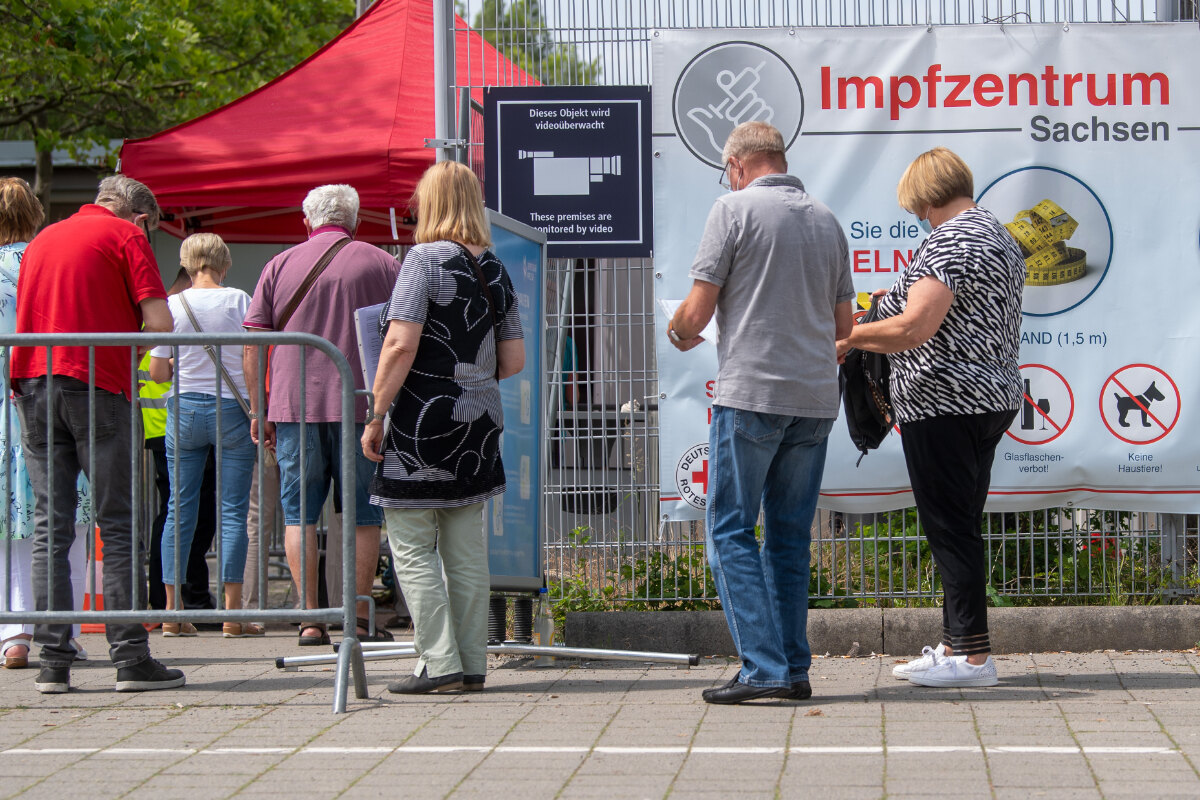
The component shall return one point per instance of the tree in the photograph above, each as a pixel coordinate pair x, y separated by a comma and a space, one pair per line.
79, 73
519, 31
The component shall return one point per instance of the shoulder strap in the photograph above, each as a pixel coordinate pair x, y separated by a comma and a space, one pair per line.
309, 280
212, 354
487, 293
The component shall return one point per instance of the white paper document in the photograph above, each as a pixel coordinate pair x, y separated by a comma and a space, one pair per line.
669, 307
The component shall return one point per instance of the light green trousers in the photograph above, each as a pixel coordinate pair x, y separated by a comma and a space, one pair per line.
449, 616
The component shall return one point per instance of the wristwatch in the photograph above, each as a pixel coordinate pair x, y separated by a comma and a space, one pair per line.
371, 416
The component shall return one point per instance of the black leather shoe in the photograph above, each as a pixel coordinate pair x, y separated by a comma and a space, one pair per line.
423, 684
801, 690
708, 692
473, 683
740, 693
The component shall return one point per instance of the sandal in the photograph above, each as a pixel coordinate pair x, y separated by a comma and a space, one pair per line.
19, 661
170, 629
241, 630
321, 638
381, 634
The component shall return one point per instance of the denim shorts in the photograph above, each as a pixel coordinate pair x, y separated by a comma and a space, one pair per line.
322, 464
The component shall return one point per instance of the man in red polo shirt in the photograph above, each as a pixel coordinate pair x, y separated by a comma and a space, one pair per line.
93, 272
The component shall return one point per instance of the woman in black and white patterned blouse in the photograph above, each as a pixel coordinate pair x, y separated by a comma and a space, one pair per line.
451, 333
953, 326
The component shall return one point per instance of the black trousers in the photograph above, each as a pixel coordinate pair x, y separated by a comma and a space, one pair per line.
949, 462
193, 590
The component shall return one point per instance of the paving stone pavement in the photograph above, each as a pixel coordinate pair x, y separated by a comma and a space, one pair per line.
1063, 725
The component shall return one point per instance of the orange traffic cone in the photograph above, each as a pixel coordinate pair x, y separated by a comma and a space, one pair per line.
94, 590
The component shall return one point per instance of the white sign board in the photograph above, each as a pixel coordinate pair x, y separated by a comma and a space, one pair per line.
1091, 132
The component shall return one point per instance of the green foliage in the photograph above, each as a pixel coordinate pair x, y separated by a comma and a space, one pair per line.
519, 31
681, 578
1099, 561
1039, 558
77, 73
1043, 557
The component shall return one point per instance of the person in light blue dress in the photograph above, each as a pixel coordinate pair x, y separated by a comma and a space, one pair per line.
20, 217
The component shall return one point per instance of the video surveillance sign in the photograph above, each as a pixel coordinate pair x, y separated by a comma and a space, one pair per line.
574, 163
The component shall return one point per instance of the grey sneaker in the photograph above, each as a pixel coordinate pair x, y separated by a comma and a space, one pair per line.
423, 684
929, 657
955, 672
148, 676
53, 680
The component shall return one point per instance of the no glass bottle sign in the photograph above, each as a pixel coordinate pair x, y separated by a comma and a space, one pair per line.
574, 163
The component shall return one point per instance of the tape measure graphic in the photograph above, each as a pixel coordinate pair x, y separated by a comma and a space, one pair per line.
1042, 232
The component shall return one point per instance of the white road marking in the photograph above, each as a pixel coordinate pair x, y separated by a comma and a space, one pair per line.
583, 749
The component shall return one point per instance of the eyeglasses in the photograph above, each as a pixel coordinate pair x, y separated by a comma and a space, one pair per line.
723, 179
145, 222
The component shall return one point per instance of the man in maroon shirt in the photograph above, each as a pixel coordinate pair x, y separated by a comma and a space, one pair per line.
93, 272
358, 275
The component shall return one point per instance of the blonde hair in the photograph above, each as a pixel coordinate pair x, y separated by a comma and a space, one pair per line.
449, 203
204, 251
20, 211
934, 178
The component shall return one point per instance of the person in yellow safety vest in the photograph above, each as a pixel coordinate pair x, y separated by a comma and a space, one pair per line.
152, 397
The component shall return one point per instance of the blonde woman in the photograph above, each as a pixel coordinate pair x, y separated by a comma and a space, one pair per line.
952, 322
192, 417
20, 217
451, 333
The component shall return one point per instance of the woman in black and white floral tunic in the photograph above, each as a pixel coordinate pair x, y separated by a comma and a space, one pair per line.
451, 332
953, 326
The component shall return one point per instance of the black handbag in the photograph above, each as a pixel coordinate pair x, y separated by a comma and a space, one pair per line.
865, 396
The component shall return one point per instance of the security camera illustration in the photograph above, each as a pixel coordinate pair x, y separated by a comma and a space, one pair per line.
568, 175
740, 104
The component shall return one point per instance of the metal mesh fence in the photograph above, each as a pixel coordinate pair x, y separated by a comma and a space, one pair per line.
604, 538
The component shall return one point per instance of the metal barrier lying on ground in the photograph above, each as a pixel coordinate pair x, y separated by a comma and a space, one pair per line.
350, 654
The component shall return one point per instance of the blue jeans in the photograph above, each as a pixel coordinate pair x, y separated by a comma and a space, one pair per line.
196, 415
773, 462
322, 464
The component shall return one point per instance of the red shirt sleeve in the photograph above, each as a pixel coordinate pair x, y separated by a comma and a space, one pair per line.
146, 282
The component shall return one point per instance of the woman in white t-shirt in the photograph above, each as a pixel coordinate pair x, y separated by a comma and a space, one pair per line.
193, 412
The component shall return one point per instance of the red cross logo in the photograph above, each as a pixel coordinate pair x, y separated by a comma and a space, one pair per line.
701, 477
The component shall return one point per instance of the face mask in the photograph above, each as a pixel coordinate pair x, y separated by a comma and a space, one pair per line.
924, 223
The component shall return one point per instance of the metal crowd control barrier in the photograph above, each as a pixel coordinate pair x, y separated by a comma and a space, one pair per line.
350, 656
385, 651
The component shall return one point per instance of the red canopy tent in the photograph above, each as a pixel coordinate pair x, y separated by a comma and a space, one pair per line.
357, 111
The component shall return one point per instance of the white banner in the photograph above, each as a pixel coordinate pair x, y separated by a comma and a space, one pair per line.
1088, 138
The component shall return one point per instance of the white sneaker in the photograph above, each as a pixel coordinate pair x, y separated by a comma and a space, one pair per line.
956, 672
929, 657
80, 653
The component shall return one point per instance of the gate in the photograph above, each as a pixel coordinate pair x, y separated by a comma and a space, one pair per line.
350, 654
604, 539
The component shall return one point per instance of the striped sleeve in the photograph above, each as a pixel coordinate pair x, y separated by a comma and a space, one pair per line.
410, 297
510, 326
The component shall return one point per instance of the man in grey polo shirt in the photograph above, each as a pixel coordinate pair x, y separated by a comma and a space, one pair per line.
774, 266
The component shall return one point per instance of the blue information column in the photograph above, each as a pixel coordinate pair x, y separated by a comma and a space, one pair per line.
574, 163
513, 525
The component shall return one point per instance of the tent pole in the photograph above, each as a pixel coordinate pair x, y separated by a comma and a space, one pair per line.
443, 74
